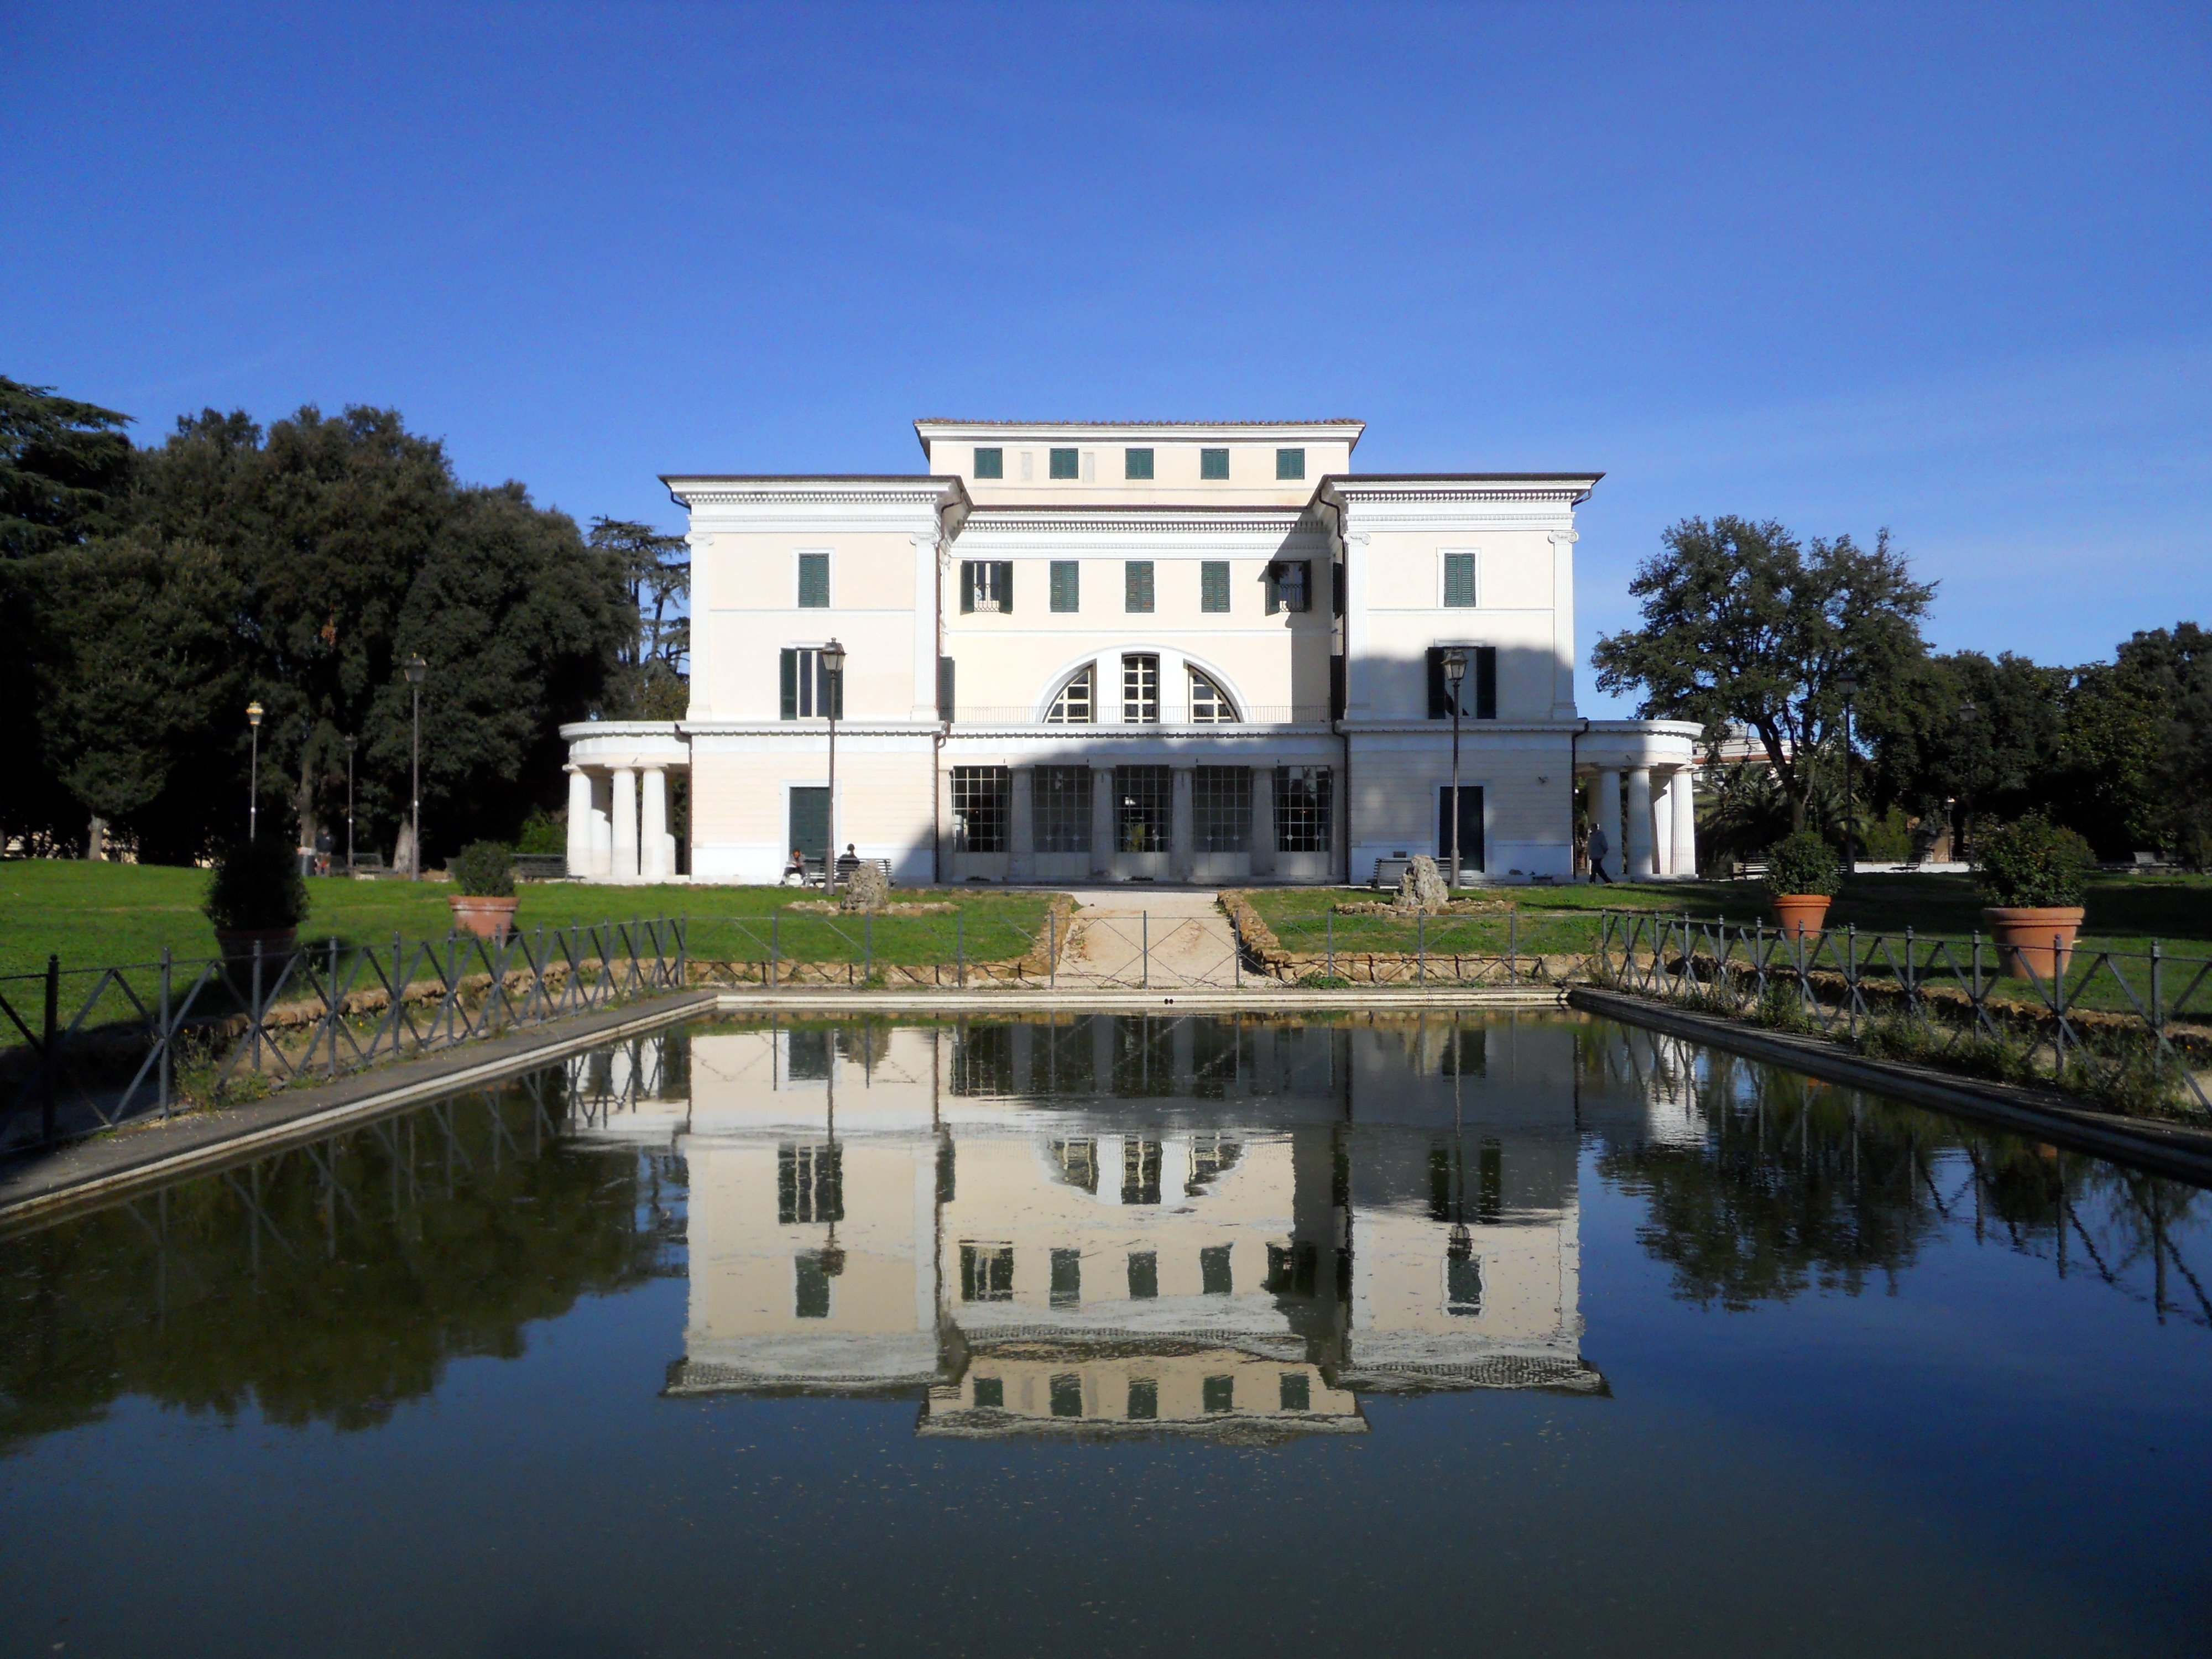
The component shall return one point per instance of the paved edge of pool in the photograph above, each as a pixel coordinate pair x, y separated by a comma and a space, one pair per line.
2169, 1149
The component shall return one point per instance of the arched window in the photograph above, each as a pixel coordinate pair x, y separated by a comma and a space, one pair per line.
1209, 703
1077, 703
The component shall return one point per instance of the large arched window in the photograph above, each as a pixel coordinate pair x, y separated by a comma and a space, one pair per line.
1077, 703
1209, 703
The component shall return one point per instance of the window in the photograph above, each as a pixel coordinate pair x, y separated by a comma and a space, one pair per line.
990, 1393
806, 1054
1459, 580
1144, 1275
809, 1184
1303, 813
987, 585
1066, 585
1141, 690
1066, 1279
991, 463
1078, 1164
1077, 703
1064, 464
1137, 585
1067, 1394
814, 582
1144, 1400
1212, 463
986, 1272
1467, 1053
1144, 809
947, 704
982, 1062
1478, 691
1136, 463
1140, 1171
1221, 808
1292, 1269
1214, 585
1220, 1394
1290, 586
1209, 703
1290, 463
809, 1297
980, 796
1213, 1271
1060, 808
1462, 1281
808, 688
1296, 1392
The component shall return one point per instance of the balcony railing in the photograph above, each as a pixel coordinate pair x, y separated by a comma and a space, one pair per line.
1300, 714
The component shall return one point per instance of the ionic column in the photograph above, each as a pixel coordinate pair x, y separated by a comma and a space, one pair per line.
580, 822
1608, 813
1640, 866
1263, 820
653, 836
1021, 824
1182, 852
1685, 861
1102, 820
623, 866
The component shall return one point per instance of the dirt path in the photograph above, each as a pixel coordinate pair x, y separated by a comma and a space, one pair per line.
1163, 939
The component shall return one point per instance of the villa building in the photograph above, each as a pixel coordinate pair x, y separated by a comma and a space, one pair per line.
1111, 652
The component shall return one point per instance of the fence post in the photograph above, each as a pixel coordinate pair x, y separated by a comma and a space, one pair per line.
1421, 948
683, 952
331, 1002
1051, 946
774, 943
2058, 999
161, 1073
1912, 980
960, 947
253, 1014
1852, 978
1512, 945
1332, 941
1974, 994
1145, 949
49, 1037
868, 944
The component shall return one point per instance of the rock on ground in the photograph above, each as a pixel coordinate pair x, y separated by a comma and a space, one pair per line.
1421, 889
866, 889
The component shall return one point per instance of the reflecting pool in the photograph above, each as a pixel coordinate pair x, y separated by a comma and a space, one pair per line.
1121, 1334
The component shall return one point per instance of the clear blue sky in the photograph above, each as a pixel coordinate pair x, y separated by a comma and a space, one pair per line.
1945, 270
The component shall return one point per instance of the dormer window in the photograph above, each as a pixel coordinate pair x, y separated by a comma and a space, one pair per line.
1065, 464
991, 463
1136, 463
1213, 463
1290, 463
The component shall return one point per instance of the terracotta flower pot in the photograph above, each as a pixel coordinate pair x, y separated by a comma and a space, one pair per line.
2034, 936
1800, 914
278, 946
486, 917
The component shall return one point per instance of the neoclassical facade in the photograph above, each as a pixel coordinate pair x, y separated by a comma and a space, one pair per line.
1112, 652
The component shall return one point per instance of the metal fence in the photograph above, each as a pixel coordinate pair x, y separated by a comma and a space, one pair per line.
98, 1046
2096, 1010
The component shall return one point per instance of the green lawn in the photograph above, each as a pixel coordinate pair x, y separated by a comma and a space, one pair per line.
100, 914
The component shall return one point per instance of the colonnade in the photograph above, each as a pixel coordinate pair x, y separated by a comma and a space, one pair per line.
1659, 836
1178, 856
618, 825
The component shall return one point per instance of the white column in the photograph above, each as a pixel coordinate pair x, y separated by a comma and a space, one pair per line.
924, 625
1685, 792
1639, 824
603, 826
1663, 827
1181, 829
1102, 820
1359, 698
652, 836
624, 865
1263, 820
1608, 819
580, 822
1021, 824
1563, 623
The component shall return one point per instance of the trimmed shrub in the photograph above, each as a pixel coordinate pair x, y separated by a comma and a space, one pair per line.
483, 869
256, 888
2032, 862
1801, 863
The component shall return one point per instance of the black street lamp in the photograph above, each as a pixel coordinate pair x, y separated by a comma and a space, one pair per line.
833, 693
1849, 686
1455, 664
350, 747
253, 777
418, 669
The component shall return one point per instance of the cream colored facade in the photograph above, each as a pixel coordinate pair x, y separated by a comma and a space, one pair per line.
1179, 652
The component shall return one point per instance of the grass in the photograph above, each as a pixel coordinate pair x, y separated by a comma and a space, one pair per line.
93, 915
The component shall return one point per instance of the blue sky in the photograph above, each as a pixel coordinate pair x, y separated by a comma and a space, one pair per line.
1944, 269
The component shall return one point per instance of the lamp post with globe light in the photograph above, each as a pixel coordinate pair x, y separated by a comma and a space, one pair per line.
1849, 686
253, 776
1455, 667
833, 695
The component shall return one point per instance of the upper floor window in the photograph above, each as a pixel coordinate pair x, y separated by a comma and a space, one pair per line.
991, 463
810, 690
1290, 586
1212, 463
1477, 690
986, 1272
1137, 585
1066, 585
1209, 703
814, 582
1141, 690
1136, 463
1065, 464
987, 585
1077, 703
1459, 580
1290, 463
1214, 585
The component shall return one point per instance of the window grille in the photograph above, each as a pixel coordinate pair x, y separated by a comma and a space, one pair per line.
987, 585
1061, 1058
990, 463
1290, 463
1302, 808
1066, 1284
986, 1272
1059, 802
1077, 703
1214, 585
1066, 585
980, 806
1144, 809
1459, 580
1209, 703
1141, 690
1136, 463
1294, 1389
814, 582
1137, 585
1144, 1399
1140, 1171
984, 1062
1290, 586
1212, 463
809, 689
1078, 1161
1063, 463
810, 1183
1067, 1394
1221, 808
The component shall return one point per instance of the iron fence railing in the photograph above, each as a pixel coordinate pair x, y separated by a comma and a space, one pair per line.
2086, 1008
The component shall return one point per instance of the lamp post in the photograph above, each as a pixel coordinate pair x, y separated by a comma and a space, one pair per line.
833, 695
253, 777
350, 746
418, 669
1849, 686
1455, 664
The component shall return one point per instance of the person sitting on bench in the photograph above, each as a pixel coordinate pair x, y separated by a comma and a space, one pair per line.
794, 874
847, 861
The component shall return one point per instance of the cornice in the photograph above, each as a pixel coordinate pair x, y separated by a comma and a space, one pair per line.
702, 490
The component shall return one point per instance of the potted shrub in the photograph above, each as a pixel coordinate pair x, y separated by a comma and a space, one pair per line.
1801, 880
483, 897
256, 897
2033, 874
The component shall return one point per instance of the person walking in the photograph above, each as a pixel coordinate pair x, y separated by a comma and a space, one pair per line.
1600, 849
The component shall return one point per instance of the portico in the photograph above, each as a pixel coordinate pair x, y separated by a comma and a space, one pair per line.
1640, 776
618, 818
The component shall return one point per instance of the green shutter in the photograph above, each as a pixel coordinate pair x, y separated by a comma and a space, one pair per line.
814, 582
1005, 585
1459, 580
1136, 463
1066, 585
1138, 585
1274, 588
1485, 682
790, 684
1212, 463
990, 463
1064, 464
1290, 463
967, 584
1214, 585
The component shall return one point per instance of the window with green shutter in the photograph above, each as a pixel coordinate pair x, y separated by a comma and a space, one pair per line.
1459, 580
1136, 463
1137, 585
990, 463
1066, 585
1212, 463
1214, 585
814, 582
1065, 464
1290, 463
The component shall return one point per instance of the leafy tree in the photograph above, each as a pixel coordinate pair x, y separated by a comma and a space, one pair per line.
2166, 675
1742, 622
62, 463
655, 570
1965, 735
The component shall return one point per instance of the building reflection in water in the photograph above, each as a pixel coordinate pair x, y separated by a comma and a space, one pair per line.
1114, 1224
